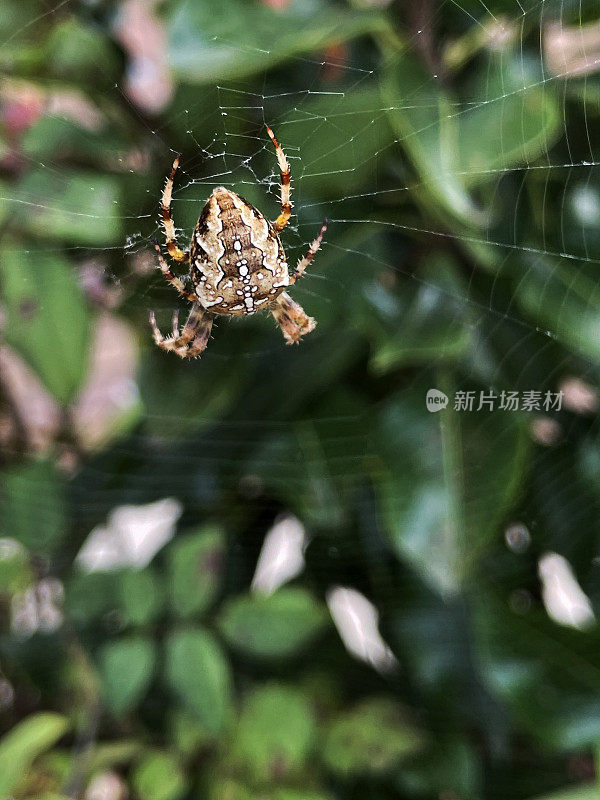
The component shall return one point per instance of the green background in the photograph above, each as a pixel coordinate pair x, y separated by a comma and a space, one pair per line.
459, 173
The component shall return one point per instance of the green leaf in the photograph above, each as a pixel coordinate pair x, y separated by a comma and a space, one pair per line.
232, 790
117, 753
432, 322
446, 482
48, 323
54, 766
274, 736
90, 596
136, 595
196, 565
49, 796
15, 571
159, 776
141, 596
371, 738
511, 119
227, 789
187, 734
450, 765
341, 157
428, 131
276, 626
555, 698
32, 509
560, 297
81, 51
5, 191
205, 37
198, 672
82, 208
24, 743
573, 793
57, 134
126, 669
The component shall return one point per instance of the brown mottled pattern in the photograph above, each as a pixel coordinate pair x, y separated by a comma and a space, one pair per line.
238, 261
235, 230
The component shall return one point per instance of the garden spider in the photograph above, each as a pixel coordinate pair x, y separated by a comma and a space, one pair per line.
237, 265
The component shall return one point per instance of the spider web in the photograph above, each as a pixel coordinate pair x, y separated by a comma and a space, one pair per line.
377, 228
242, 160
367, 155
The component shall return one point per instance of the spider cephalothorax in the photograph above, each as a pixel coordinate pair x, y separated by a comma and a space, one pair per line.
237, 265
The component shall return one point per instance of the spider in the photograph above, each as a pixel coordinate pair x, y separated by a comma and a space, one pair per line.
237, 265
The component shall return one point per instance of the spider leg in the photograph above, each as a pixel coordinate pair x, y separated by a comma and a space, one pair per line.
193, 338
200, 340
312, 250
169, 226
284, 167
176, 334
291, 318
173, 279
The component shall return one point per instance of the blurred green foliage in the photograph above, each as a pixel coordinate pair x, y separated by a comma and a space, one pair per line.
459, 172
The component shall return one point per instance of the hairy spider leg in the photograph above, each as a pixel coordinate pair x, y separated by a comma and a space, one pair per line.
200, 341
312, 251
193, 338
291, 318
284, 167
169, 226
173, 279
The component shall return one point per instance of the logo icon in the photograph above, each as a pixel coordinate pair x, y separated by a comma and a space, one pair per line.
436, 400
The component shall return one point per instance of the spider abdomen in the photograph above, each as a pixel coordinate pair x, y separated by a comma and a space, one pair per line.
238, 264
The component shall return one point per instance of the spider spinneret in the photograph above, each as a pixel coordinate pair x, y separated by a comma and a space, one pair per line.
237, 265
